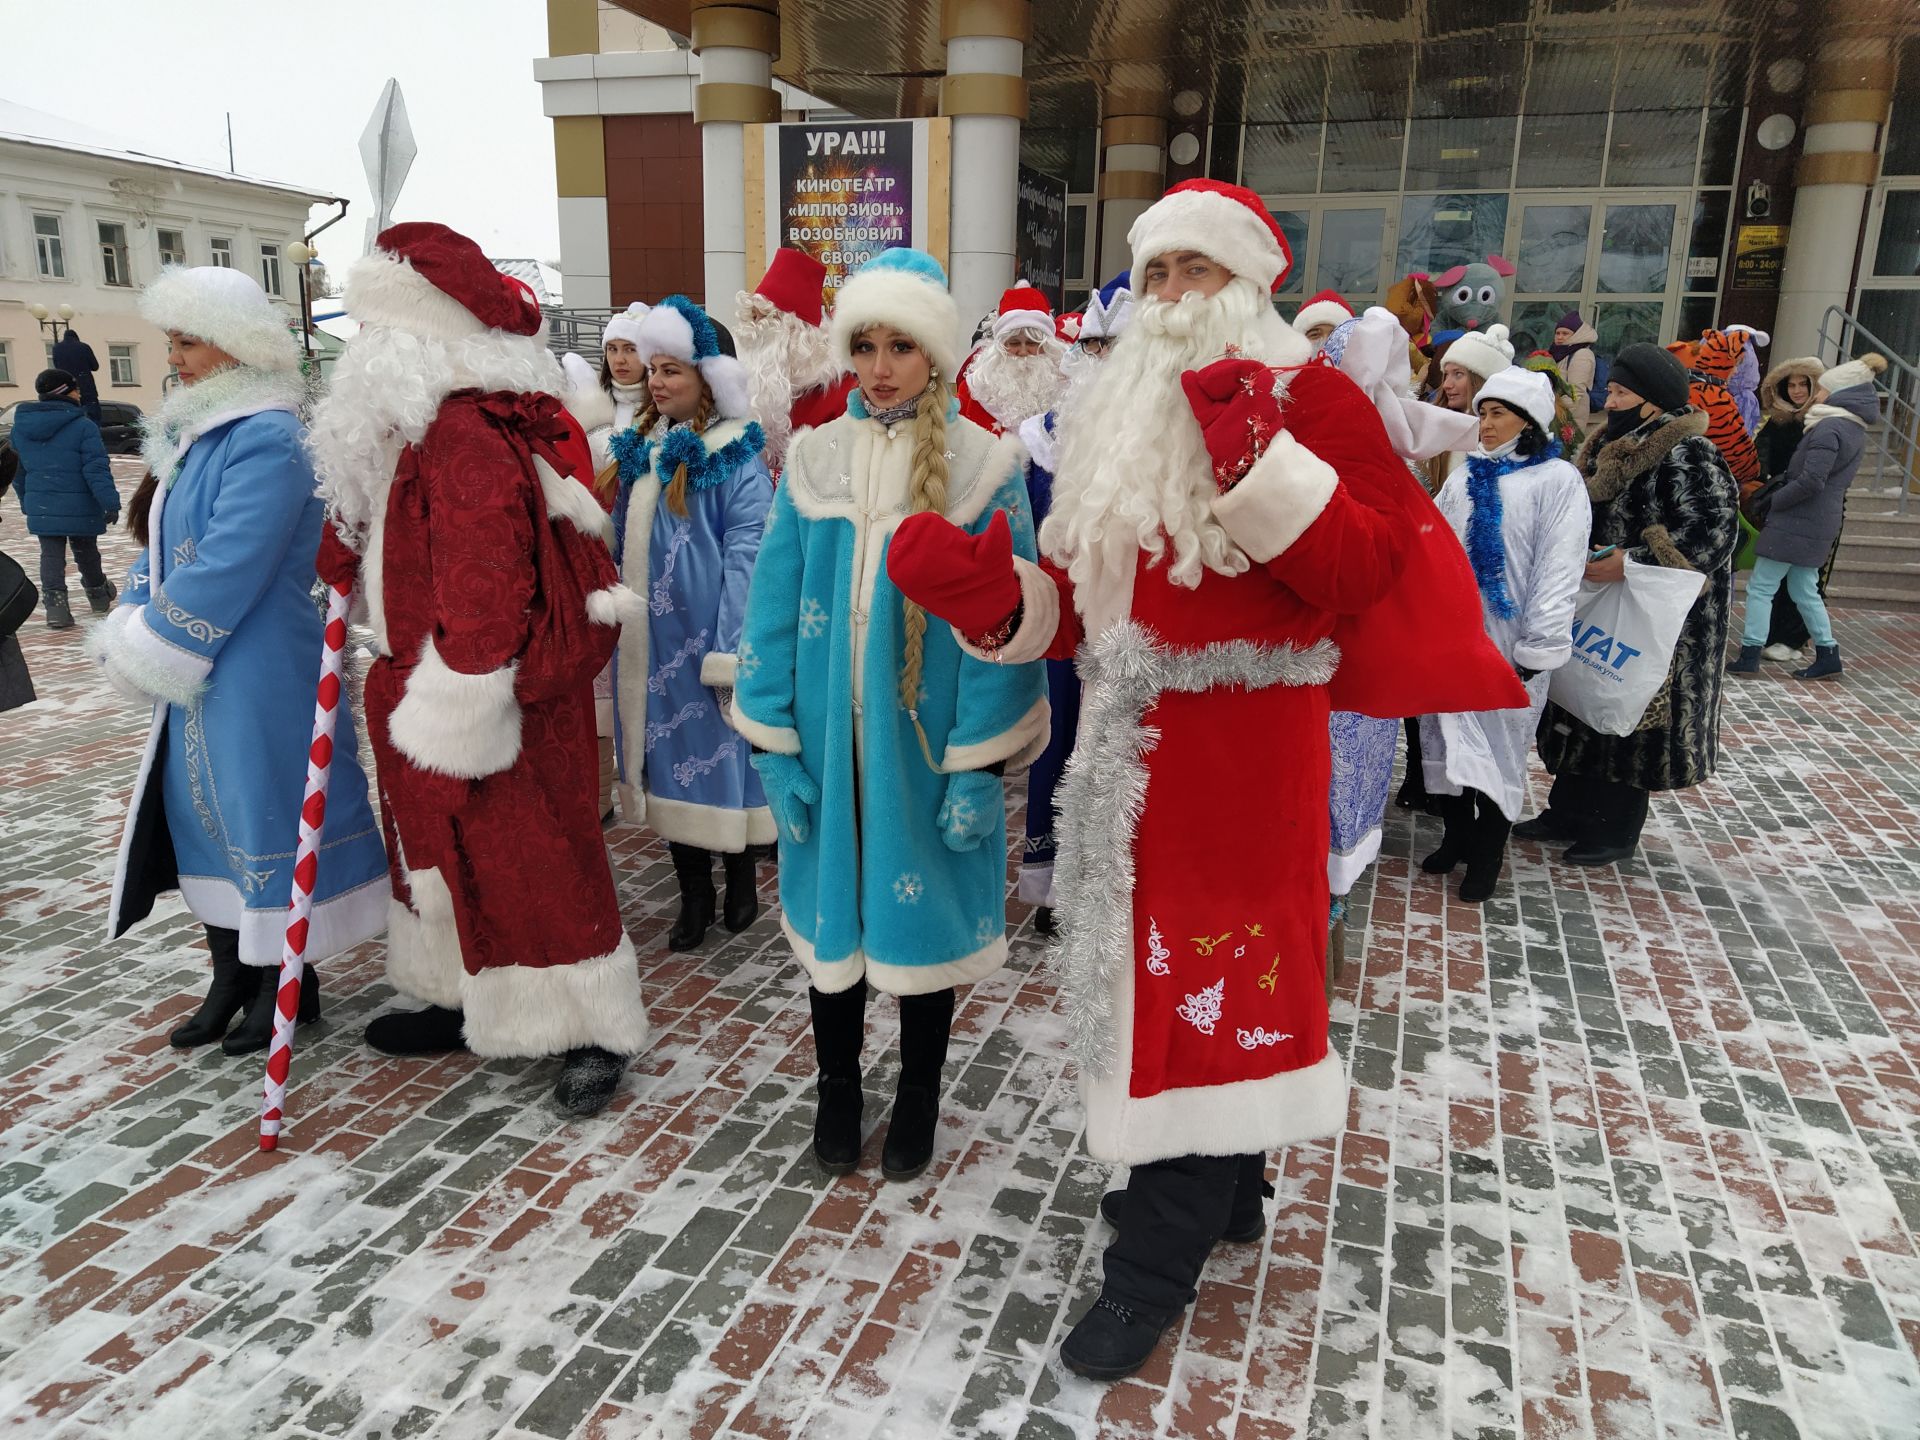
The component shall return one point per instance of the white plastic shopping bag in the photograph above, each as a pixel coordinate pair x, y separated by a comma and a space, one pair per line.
1623, 639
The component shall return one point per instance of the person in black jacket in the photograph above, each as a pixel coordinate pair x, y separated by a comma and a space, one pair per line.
76, 357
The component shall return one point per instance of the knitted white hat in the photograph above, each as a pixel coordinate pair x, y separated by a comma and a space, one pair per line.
1853, 372
625, 325
224, 307
1484, 352
1526, 392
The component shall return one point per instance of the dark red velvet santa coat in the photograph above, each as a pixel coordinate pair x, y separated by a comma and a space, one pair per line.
821, 404
494, 602
1193, 828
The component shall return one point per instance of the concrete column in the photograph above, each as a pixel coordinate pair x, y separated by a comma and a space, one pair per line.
580, 165
986, 95
1133, 169
1839, 162
736, 41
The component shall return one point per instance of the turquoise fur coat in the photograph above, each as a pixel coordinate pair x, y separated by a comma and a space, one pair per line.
902, 876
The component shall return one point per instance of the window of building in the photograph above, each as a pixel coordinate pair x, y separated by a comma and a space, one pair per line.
1362, 155
1653, 147
270, 269
173, 246
49, 247
1438, 232
114, 269
220, 250
6, 362
1281, 159
120, 366
1460, 154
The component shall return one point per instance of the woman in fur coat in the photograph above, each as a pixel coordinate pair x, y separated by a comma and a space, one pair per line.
218, 633
883, 742
1521, 512
1661, 495
689, 512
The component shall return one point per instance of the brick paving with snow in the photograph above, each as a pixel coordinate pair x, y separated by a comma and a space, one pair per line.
1629, 1153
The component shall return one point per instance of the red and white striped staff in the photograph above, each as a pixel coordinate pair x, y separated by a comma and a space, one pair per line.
306, 864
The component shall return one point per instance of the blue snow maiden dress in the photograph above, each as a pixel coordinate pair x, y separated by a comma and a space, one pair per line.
218, 628
683, 768
901, 875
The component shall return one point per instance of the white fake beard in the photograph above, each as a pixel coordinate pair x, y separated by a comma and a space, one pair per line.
785, 357
1134, 472
1014, 388
384, 392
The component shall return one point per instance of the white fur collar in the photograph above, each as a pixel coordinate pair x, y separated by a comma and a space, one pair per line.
191, 411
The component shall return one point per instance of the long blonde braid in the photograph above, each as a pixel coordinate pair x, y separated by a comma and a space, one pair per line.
927, 490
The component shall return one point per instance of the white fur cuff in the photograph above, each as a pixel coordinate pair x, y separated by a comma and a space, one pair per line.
774, 739
1039, 619
525, 1010
719, 671
615, 605
1280, 497
139, 661
570, 500
466, 726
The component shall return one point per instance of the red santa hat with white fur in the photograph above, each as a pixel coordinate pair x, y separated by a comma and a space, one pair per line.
1228, 224
425, 279
1326, 308
1023, 308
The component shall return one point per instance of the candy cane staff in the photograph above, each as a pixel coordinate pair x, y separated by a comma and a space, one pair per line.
306, 860
216, 631
1239, 550
466, 487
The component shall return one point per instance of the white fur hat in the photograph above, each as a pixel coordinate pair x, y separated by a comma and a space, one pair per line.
1526, 392
680, 328
1760, 337
1484, 352
1853, 372
906, 290
224, 307
625, 325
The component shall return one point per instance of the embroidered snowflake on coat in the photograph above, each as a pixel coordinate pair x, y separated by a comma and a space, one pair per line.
960, 815
1202, 1011
908, 888
747, 661
987, 931
813, 619
1157, 951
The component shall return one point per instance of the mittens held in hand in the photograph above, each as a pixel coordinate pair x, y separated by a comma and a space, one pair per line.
791, 793
967, 580
1233, 401
972, 810
335, 564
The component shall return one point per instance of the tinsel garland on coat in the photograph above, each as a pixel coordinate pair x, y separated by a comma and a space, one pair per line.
1486, 548
633, 454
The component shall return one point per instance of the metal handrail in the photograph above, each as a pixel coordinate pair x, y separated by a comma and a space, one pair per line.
1896, 439
576, 330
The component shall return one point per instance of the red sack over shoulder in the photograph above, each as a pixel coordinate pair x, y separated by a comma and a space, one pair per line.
967, 580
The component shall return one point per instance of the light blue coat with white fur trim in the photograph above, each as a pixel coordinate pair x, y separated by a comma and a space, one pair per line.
876, 888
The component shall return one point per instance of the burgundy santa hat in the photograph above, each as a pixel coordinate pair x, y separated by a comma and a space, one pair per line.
1226, 223
794, 283
1326, 308
425, 279
1022, 308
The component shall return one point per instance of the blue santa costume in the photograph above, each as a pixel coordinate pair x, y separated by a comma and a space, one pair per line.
217, 631
688, 517
884, 743
1108, 310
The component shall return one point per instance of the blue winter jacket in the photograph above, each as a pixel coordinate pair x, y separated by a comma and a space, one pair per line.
65, 484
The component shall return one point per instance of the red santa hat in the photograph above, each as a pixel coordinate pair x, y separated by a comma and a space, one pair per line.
1022, 308
425, 279
794, 282
1226, 223
1326, 308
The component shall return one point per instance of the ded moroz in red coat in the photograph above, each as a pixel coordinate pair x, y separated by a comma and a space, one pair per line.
1195, 897
821, 404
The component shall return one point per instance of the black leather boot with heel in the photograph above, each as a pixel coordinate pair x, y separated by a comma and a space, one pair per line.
1487, 852
1456, 815
742, 905
693, 868
229, 993
255, 1031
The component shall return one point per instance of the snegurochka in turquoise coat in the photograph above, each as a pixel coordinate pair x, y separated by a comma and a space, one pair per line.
885, 745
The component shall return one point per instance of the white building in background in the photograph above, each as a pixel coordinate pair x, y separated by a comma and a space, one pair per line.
86, 221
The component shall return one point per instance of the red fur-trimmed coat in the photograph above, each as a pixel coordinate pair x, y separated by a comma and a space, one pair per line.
494, 602
1195, 912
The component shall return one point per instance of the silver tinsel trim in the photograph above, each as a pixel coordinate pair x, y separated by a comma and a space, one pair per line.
1104, 791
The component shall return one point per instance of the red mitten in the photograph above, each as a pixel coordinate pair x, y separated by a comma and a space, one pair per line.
1233, 401
967, 580
336, 564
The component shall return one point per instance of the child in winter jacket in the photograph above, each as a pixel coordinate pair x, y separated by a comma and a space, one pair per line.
65, 486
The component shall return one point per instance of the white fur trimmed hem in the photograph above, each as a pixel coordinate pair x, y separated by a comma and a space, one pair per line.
525, 1011
831, 977
1236, 1119
136, 655
336, 924
719, 670
775, 739
1039, 619
711, 827
467, 726
1019, 745
1280, 497
423, 943
1343, 871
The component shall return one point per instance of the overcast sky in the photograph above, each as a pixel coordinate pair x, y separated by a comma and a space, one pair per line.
301, 80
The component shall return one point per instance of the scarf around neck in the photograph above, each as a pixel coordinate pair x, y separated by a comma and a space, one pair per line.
1486, 545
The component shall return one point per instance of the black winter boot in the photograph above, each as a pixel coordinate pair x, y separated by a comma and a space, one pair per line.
588, 1078
1456, 812
59, 612
1747, 662
839, 1025
1826, 664
926, 1023
1112, 1340
1487, 855
255, 1031
432, 1031
101, 596
743, 895
693, 867
232, 988
1044, 923
1246, 1222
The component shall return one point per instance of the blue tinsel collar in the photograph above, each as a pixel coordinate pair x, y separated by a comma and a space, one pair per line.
1486, 545
664, 453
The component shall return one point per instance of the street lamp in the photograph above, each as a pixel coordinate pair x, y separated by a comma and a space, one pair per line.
51, 320
301, 254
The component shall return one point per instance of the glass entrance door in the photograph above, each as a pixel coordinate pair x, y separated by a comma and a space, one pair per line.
1615, 259
1339, 245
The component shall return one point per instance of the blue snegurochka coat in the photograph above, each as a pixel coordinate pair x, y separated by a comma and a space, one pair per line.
875, 889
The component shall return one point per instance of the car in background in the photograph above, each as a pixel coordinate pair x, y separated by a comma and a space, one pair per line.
119, 426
